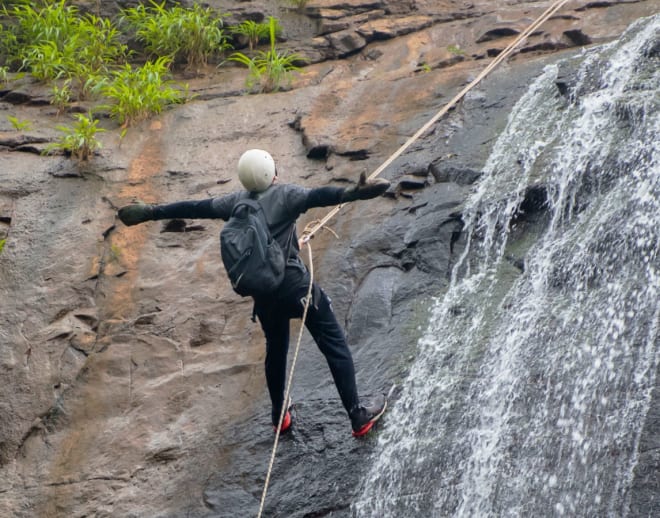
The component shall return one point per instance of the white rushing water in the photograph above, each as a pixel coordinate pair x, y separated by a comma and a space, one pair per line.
529, 390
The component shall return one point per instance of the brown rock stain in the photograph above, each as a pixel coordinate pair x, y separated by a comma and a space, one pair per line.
163, 413
94, 407
126, 243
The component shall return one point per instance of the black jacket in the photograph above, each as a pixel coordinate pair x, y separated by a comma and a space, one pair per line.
282, 204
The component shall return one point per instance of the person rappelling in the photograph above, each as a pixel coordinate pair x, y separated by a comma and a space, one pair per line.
260, 251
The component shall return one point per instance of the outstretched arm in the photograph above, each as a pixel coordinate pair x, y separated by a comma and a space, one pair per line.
326, 196
363, 190
187, 210
211, 208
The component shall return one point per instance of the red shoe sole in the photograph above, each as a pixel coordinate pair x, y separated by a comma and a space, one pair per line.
365, 429
286, 423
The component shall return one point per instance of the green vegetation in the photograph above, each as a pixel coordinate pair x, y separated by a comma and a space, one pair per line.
268, 70
55, 41
297, 3
192, 35
2, 244
18, 124
98, 44
81, 56
256, 32
80, 140
456, 50
138, 93
34, 26
61, 96
44, 61
115, 253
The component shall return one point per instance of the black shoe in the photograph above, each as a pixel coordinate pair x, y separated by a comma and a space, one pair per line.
364, 416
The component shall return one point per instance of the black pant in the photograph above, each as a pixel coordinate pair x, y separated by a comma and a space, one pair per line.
274, 316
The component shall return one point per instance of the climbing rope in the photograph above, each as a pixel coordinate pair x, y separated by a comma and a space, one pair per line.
315, 226
289, 382
307, 235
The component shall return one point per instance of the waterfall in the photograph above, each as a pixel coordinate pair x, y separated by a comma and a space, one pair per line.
531, 384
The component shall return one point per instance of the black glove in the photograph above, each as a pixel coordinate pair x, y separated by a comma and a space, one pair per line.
136, 213
365, 190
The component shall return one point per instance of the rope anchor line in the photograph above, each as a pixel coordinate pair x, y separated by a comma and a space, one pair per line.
322, 223
549, 12
289, 382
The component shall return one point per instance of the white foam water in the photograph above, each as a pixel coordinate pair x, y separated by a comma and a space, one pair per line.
529, 390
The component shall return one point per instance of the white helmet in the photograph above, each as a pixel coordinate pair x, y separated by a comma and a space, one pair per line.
256, 170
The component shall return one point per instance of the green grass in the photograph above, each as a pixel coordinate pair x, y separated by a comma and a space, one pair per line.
35, 25
61, 96
82, 56
269, 70
256, 32
190, 34
45, 61
137, 93
299, 4
99, 43
19, 125
79, 140
115, 253
456, 50
54, 41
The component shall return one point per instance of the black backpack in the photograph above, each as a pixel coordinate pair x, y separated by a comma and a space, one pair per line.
254, 261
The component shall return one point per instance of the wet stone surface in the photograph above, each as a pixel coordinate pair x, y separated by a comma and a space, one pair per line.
132, 370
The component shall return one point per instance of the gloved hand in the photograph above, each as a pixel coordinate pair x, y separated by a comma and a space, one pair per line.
365, 190
136, 213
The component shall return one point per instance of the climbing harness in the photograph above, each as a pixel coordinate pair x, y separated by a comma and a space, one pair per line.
315, 226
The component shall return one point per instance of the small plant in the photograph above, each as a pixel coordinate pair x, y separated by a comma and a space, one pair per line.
54, 41
456, 50
425, 67
255, 32
8, 43
269, 69
61, 97
139, 93
80, 140
189, 34
45, 61
89, 83
32, 26
2, 244
299, 4
98, 44
115, 253
19, 125
4, 75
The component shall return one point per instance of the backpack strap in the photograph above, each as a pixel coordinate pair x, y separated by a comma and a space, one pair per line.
254, 204
248, 202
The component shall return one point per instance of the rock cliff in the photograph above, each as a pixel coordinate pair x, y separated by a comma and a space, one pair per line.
132, 375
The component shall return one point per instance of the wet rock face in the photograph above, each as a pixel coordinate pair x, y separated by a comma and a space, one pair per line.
331, 29
129, 364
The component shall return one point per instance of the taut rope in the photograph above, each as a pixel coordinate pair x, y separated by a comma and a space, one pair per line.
308, 233
289, 382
